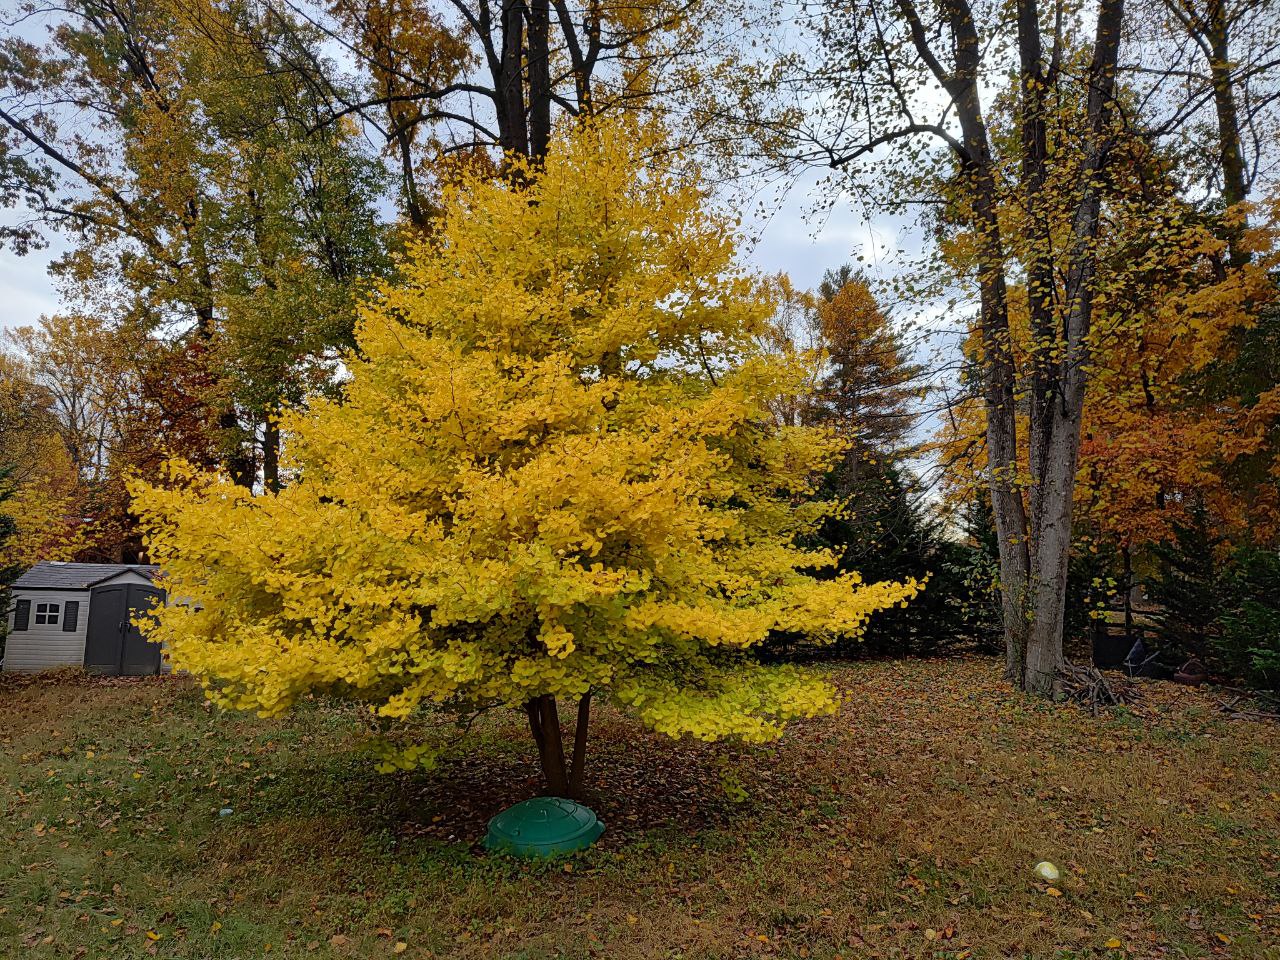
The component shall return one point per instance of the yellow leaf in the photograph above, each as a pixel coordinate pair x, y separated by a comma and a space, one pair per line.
400, 947
1113, 944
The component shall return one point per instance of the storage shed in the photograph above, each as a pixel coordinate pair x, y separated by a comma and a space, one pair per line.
79, 614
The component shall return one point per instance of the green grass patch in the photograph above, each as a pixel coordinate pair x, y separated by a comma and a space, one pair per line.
907, 825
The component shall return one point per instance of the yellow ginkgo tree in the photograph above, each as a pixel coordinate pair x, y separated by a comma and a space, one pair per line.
551, 475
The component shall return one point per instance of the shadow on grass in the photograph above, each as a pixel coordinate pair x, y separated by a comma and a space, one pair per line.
645, 787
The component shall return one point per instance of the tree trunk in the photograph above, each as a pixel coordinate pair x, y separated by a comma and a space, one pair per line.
508, 83
999, 375
1055, 457
1234, 187
539, 67
580, 747
545, 724
271, 452
1034, 539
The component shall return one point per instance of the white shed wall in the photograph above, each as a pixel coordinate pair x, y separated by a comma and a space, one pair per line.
41, 647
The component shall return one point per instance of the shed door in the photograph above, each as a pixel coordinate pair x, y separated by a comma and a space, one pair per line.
113, 644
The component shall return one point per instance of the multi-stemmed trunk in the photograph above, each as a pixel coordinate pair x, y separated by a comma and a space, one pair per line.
1032, 506
563, 779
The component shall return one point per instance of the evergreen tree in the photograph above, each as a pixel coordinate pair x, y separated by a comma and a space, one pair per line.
1187, 585
872, 388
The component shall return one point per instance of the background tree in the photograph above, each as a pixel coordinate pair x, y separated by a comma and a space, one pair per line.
1209, 80
495, 74
872, 386
551, 475
210, 209
1023, 175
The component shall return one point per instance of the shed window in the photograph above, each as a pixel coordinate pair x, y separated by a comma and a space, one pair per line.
47, 613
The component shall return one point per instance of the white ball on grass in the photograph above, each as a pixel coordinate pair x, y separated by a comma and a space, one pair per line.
1047, 871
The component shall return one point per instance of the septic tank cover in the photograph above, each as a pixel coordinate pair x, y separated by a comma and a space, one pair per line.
543, 827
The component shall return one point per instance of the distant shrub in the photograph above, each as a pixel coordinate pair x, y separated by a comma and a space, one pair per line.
1248, 635
886, 532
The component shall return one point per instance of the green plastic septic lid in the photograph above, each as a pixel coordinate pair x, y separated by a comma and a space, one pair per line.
543, 827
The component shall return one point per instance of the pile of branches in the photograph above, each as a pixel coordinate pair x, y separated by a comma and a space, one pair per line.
1084, 684
1250, 705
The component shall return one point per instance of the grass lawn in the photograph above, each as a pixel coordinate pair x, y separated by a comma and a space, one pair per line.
906, 826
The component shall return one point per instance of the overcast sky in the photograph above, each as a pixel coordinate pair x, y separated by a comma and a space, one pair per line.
789, 237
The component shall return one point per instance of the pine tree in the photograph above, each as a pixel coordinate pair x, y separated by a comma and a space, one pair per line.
1187, 585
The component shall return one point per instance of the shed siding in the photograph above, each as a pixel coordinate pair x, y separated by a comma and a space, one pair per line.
41, 647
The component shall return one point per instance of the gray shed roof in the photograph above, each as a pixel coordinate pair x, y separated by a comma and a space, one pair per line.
78, 576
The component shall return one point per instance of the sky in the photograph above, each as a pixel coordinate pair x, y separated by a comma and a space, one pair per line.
26, 291
792, 237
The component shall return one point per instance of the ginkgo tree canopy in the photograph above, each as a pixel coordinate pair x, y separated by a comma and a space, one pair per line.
552, 470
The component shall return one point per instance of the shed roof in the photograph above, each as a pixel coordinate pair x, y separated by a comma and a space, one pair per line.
78, 576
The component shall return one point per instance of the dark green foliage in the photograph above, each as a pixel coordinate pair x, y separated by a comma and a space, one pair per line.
979, 581
1094, 583
1247, 643
888, 533
1222, 609
8, 571
1186, 586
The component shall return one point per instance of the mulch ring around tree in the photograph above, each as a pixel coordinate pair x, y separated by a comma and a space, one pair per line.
639, 783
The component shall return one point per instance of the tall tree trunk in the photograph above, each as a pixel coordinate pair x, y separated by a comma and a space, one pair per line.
508, 82
1234, 187
999, 374
1053, 467
539, 68
1034, 544
271, 452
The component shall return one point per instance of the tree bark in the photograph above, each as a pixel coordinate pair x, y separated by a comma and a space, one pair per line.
1053, 465
539, 68
544, 722
1034, 539
1234, 187
508, 82
999, 374
271, 452
561, 779
577, 771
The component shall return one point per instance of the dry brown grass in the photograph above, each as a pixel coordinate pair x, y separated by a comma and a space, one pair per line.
907, 826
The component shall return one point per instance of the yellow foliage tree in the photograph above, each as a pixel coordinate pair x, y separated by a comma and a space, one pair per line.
552, 474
